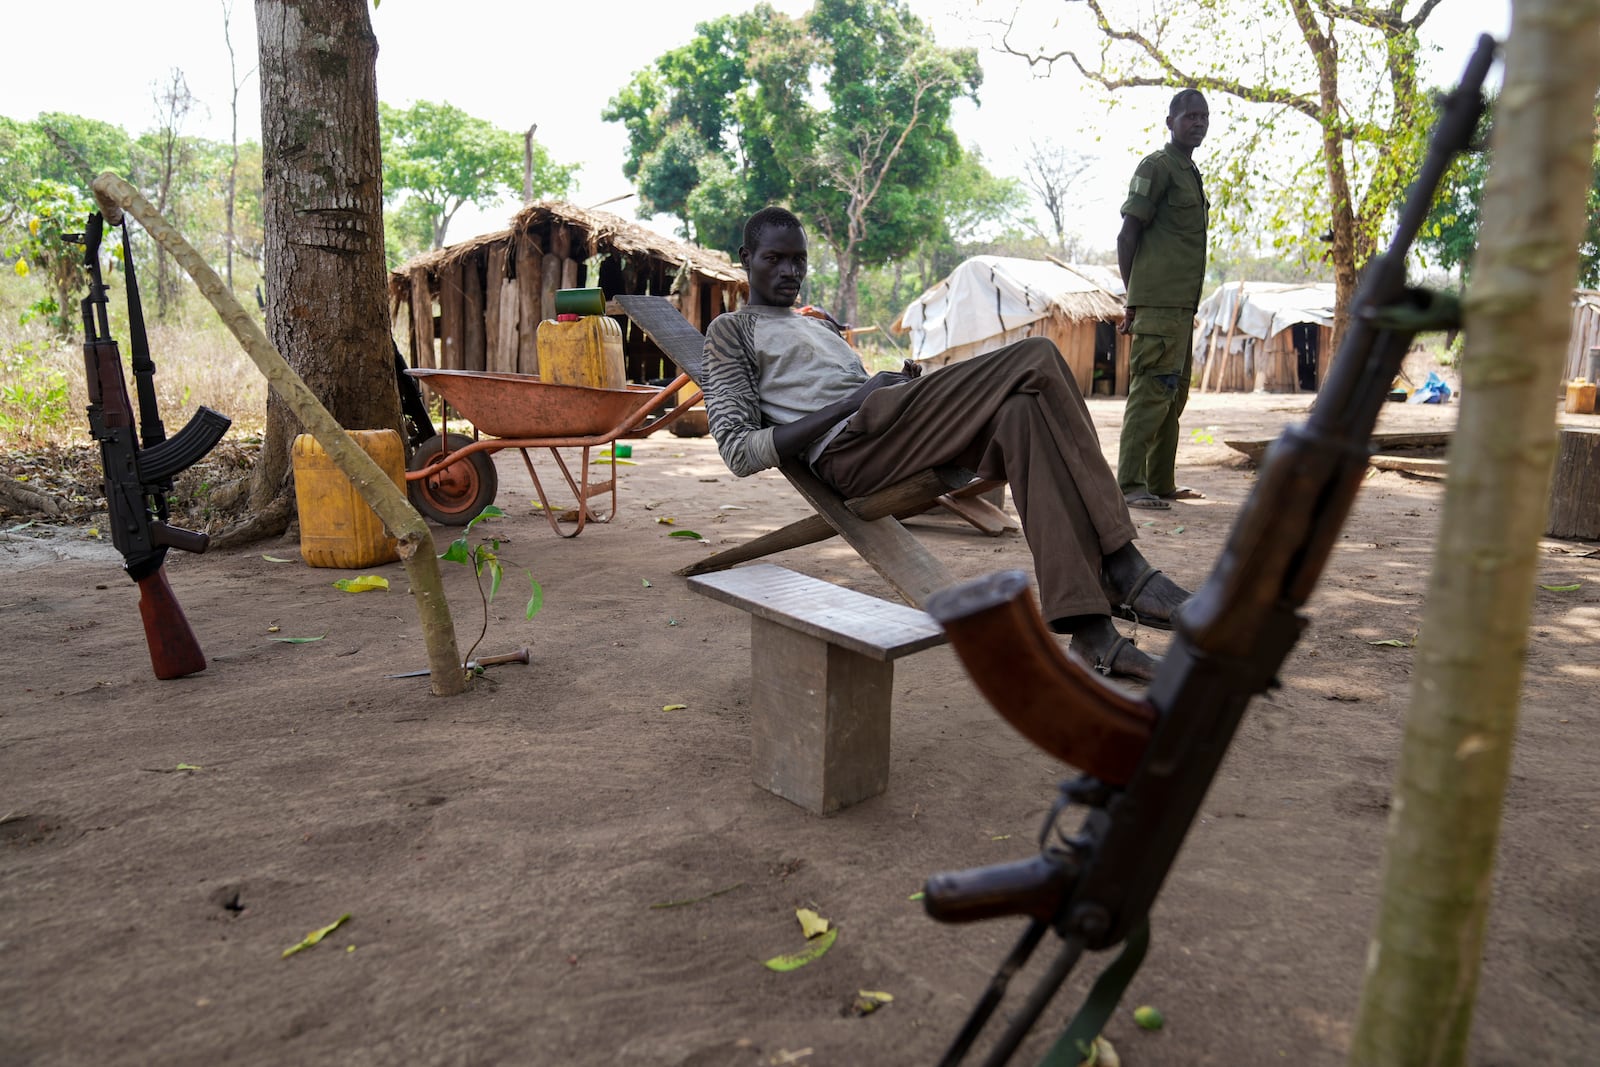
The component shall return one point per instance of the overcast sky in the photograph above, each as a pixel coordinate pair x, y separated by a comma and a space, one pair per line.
516, 62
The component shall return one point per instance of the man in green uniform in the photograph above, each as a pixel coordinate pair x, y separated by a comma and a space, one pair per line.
1161, 251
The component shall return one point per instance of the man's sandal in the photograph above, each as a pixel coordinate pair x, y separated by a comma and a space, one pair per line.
1148, 501
1106, 664
1122, 607
1183, 492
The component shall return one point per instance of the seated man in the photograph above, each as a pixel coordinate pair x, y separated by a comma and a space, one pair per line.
779, 384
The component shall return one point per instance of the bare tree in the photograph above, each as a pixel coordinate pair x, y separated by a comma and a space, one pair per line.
1349, 69
1051, 170
173, 103
236, 82
1422, 974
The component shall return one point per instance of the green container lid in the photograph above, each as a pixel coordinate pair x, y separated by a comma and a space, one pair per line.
580, 302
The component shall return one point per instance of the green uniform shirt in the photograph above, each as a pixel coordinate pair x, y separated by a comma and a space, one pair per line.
1169, 268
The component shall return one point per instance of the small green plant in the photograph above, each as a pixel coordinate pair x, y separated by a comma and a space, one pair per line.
485, 556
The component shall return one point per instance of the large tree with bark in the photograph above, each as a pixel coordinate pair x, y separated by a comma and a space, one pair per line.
327, 305
1422, 976
1342, 74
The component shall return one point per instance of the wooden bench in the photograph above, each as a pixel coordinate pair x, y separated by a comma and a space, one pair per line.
822, 674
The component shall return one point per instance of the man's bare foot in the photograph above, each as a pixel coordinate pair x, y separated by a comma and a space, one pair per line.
1113, 655
1138, 592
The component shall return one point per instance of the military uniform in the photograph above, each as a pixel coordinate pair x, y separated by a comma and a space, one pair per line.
1169, 268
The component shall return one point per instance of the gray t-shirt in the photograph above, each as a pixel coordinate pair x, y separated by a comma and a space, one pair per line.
767, 366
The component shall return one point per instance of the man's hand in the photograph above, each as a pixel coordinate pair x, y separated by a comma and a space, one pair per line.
1126, 325
881, 380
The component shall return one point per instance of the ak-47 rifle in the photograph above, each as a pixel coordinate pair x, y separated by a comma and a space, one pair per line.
1147, 763
138, 476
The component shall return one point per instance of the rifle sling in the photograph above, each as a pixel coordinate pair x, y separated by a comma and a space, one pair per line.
1073, 1044
151, 432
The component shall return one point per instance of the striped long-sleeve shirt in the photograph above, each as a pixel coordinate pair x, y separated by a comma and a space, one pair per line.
766, 366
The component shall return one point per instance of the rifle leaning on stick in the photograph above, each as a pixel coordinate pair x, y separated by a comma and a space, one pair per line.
139, 466
1147, 762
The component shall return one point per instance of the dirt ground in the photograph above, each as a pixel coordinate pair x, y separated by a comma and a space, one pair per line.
505, 856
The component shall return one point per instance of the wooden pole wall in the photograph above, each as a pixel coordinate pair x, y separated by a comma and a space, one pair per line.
529, 285
422, 318
451, 328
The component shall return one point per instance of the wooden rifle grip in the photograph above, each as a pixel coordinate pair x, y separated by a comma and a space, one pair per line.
174, 652
1051, 699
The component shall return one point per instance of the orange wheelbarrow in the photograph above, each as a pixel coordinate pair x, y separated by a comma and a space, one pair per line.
451, 477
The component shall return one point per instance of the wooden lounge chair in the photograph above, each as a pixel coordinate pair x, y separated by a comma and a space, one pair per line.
870, 524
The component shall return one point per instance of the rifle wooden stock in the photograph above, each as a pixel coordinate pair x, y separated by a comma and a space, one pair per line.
174, 652
1033, 887
1052, 700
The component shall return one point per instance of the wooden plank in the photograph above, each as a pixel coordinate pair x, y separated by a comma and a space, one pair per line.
494, 276
902, 560
806, 531
529, 284
472, 335
451, 327
1410, 464
550, 281
820, 719
868, 626
506, 345
1255, 447
422, 318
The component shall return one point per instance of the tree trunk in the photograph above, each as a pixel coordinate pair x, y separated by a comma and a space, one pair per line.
1416, 1002
327, 306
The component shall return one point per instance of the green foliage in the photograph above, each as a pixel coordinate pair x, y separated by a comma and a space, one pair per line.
47, 210
844, 114
443, 158
484, 557
1332, 87
1450, 235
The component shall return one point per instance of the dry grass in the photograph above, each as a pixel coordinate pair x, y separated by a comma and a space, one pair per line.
43, 395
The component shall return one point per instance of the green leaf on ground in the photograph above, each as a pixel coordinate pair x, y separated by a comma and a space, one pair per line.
1563, 588
1392, 642
299, 640
276, 559
361, 584
189, 767
686, 533
813, 951
316, 935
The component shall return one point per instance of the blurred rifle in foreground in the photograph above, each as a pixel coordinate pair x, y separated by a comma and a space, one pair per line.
1147, 762
140, 465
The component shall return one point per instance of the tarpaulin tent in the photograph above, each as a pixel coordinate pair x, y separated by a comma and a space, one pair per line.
1264, 337
991, 301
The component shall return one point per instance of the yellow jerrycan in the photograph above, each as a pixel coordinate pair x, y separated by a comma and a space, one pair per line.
582, 345
337, 528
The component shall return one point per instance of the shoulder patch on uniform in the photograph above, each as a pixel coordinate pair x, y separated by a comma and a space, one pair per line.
1140, 186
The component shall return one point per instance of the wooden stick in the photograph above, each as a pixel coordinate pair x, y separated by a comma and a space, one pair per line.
416, 546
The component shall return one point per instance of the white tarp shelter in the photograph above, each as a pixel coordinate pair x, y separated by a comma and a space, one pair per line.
1264, 336
991, 301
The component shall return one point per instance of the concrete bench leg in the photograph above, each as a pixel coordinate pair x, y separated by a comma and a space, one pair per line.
820, 726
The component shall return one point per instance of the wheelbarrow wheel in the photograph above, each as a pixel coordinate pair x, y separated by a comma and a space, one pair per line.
455, 495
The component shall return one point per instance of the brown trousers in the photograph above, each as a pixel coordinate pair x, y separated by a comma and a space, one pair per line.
1014, 414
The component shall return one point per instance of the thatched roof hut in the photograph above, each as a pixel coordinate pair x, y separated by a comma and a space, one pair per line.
1264, 337
477, 305
991, 301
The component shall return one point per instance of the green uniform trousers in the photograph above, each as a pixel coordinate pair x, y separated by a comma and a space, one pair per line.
1158, 388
